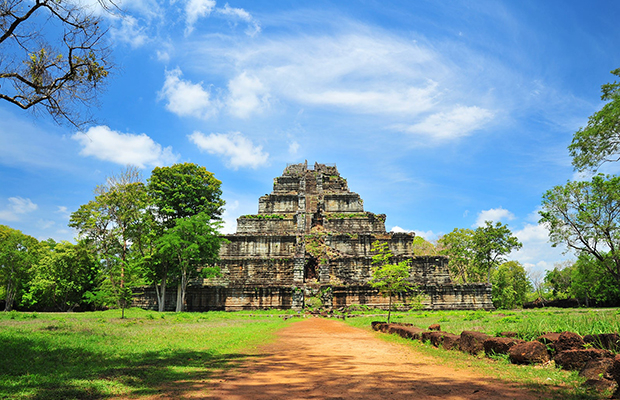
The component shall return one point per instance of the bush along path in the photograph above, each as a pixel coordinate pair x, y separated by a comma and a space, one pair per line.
594, 356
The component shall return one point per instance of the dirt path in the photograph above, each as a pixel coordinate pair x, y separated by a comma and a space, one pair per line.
327, 359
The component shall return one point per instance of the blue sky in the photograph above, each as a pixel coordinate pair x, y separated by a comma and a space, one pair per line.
440, 114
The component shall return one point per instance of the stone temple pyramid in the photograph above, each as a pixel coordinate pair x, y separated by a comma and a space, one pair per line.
310, 243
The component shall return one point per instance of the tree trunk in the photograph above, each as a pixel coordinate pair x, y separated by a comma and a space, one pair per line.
179, 307
389, 308
181, 292
160, 290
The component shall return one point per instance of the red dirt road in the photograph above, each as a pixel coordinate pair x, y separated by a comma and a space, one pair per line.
326, 359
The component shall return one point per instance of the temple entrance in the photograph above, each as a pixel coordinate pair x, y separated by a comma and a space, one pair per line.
310, 270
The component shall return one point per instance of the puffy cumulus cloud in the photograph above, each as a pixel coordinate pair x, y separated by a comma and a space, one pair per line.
185, 98
247, 95
241, 14
236, 148
493, 215
458, 122
123, 148
17, 206
195, 9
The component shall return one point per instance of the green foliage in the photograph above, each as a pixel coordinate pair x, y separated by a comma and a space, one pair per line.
586, 217
474, 254
586, 280
62, 276
599, 141
390, 279
423, 247
510, 285
18, 254
459, 246
184, 190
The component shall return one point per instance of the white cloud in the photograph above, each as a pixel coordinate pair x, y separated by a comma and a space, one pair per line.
185, 98
458, 122
129, 32
123, 148
247, 95
239, 150
493, 215
17, 206
359, 70
241, 14
195, 9
293, 148
537, 252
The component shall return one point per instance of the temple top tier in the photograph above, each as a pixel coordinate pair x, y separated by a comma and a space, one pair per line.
304, 198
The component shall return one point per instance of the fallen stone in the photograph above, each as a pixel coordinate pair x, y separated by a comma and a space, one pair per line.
451, 341
472, 342
528, 353
376, 325
569, 341
499, 345
508, 334
434, 327
576, 359
614, 371
410, 332
609, 341
602, 385
597, 369
436, 338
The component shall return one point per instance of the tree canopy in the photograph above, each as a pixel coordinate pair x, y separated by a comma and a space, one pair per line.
586, 217
599, 141
53, 57
474, 254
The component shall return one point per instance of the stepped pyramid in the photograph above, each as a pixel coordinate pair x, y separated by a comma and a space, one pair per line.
311, 242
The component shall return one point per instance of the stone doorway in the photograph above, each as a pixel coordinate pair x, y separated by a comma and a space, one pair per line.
311, 270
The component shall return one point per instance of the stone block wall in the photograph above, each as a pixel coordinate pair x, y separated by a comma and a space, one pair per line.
239, 297
256, 246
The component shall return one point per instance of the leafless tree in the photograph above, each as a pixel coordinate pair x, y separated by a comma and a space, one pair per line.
53, 57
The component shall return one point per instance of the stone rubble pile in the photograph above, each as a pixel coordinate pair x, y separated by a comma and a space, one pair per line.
593, 355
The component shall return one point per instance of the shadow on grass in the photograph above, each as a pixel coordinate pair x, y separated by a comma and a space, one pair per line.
37, 368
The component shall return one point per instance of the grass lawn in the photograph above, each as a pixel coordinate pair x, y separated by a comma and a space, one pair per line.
549, 380
98, 355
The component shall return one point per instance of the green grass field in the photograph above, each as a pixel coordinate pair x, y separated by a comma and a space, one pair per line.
98, 355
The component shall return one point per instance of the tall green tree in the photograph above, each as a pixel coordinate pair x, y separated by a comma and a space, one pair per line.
599, 141
180, 192
585, 216
18, 254
492, 243
474, 254
389, 278
193, 244
112, 222
458, 245
510, 285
